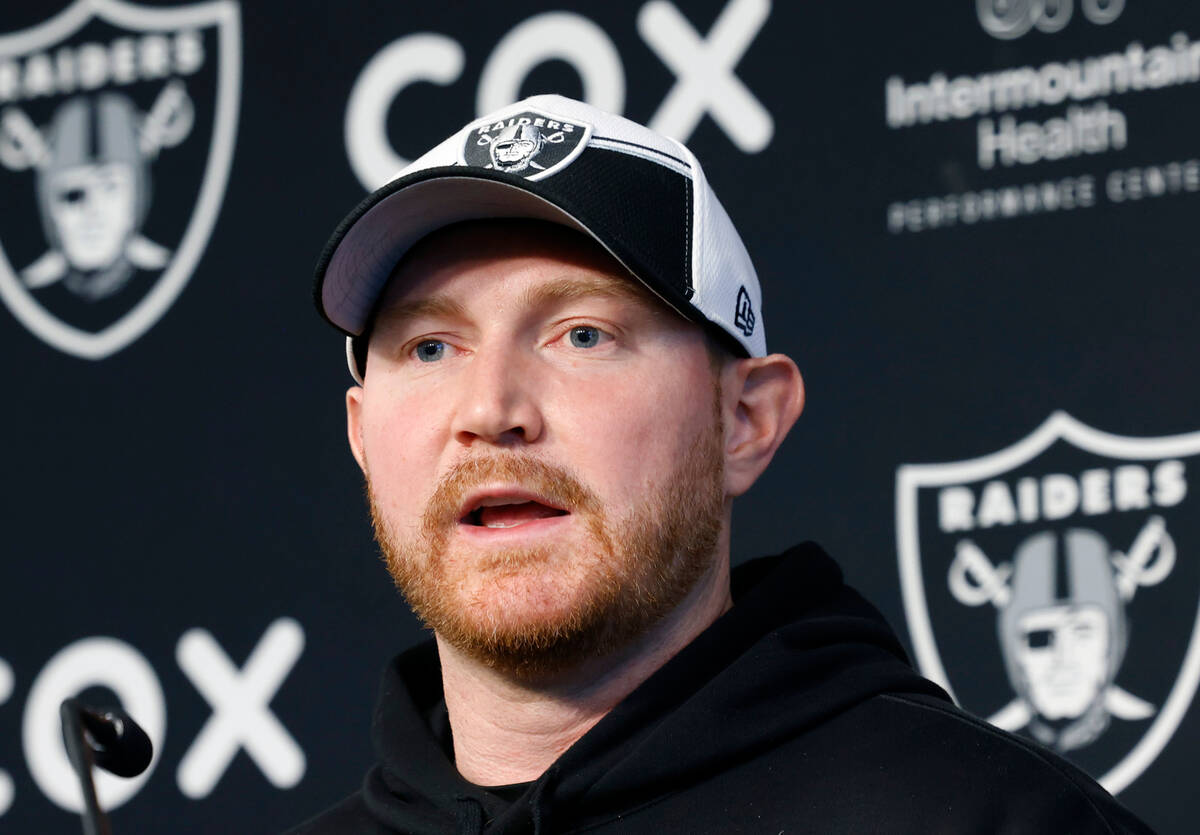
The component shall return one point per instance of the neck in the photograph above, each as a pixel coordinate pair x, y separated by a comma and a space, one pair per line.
507, 730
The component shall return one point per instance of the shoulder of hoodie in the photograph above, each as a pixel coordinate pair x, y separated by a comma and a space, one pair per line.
908, 763
954, 755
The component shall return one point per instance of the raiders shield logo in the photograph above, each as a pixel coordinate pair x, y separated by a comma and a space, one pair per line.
117, 126
531, 143
1053, 588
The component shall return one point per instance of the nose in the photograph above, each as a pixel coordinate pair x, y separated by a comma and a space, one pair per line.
498, 403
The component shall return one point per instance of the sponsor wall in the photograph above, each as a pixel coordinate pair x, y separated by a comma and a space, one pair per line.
974, 228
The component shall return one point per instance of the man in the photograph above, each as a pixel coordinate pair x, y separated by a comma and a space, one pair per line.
564, 383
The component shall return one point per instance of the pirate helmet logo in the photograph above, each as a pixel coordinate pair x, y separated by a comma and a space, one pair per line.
83, 127
1034, 533
515, 147
531, 143
94, 185
1062, 626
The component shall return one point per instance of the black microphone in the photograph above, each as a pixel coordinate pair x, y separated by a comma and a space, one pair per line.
108, 738
118, 744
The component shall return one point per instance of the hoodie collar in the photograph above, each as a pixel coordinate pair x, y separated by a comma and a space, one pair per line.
797, 647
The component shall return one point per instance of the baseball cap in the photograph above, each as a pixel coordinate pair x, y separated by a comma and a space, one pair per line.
641, 195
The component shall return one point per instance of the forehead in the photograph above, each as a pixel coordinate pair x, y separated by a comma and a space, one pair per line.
493, 248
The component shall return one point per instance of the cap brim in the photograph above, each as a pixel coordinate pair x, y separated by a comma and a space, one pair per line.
365, 250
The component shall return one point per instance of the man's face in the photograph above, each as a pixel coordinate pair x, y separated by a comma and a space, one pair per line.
543, 446
1063, 654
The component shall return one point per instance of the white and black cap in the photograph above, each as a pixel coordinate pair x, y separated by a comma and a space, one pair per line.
641, 195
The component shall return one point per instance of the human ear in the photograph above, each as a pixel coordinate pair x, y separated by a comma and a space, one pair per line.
354, 398
761, 399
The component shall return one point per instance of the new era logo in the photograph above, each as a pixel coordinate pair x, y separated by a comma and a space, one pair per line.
743, 315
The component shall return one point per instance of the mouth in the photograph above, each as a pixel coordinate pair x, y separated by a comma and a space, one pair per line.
501, 509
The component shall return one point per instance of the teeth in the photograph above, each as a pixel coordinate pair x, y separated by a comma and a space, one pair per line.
501, 525
496, 501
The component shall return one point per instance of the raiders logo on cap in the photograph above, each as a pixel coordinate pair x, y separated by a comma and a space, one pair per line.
532, 144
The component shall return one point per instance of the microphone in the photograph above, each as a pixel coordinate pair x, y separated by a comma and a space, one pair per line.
118, 744
108, 738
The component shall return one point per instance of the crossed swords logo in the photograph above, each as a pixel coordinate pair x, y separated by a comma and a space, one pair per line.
974, 580
23, 145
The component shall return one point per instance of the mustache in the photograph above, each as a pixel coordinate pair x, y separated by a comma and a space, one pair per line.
554, 483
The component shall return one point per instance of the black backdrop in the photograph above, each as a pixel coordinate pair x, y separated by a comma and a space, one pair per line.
181, 493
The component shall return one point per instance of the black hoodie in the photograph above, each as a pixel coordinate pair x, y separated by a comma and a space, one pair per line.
795, 712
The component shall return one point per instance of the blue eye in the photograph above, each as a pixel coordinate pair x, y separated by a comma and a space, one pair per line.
585, 337
431, 350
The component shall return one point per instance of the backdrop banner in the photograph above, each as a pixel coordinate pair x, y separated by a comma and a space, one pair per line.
973, 223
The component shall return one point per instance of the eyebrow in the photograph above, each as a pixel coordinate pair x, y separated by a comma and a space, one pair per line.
550, 292
568, 289
433, 307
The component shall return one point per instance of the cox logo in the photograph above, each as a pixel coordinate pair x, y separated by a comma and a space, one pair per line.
703, 66
1008, 19
241, 717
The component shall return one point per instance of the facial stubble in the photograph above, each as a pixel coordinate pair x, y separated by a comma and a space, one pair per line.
637, 569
